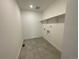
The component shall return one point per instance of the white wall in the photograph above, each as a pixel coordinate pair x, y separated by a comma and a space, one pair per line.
56, 8
10, 30
70, 46
55, 37
31, 24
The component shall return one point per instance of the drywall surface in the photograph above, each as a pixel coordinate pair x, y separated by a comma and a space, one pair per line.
10, 30
70, 46
31, 24
56, 8
53, 31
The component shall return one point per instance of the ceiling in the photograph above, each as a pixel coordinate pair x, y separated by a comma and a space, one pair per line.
43, 4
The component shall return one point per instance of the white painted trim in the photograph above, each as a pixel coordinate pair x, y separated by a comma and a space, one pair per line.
20, 49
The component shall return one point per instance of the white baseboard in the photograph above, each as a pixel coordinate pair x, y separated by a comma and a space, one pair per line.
20, 49
32, 38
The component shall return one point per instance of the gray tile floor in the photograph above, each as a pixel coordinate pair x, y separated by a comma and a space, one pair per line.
38, 49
